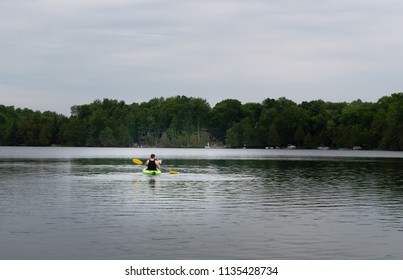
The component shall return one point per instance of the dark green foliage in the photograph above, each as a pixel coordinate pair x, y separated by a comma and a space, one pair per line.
182, 121
28, 128
223, 116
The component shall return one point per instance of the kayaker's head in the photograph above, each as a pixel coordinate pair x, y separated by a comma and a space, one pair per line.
152, 156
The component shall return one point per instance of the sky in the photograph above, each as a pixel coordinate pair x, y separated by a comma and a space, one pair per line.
58, 53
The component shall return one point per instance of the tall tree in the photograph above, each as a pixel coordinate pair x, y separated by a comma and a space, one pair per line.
223, 116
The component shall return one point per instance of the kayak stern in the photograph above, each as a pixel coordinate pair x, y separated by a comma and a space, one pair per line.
151, 172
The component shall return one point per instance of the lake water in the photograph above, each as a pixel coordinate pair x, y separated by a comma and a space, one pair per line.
94, 203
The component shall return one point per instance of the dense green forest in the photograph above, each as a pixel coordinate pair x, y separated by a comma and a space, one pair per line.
182, 121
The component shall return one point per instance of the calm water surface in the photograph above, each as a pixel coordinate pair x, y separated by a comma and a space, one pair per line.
83, 203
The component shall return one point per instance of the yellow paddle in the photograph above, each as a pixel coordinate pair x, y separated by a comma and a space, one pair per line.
137, 161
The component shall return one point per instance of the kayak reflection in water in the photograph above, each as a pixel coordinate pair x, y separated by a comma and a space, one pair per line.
152, 163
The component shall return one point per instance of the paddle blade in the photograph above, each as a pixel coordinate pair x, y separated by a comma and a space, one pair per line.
173, 172
137, 161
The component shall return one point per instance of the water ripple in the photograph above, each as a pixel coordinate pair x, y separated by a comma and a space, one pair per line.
239, 207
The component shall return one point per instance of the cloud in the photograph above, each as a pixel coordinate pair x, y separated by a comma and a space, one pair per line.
255, 49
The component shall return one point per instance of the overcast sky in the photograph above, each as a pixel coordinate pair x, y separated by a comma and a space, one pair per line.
59, 53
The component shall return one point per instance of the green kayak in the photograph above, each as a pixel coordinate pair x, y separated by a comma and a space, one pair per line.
151, 172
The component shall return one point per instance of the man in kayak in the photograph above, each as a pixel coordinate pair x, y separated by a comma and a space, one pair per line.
152, 163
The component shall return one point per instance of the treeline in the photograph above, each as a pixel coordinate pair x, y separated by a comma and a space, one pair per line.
182, 121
